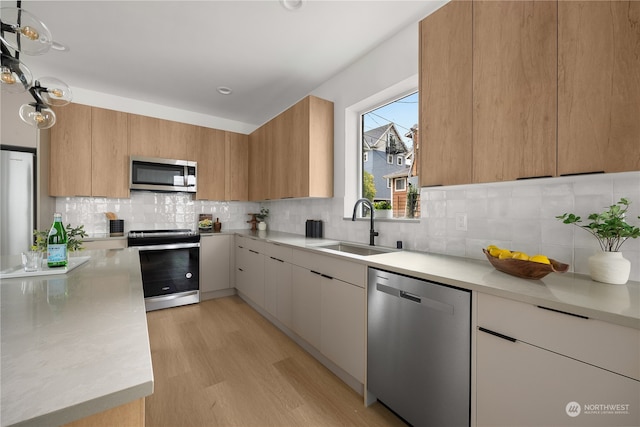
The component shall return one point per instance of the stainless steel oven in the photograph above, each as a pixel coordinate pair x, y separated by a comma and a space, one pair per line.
170, 264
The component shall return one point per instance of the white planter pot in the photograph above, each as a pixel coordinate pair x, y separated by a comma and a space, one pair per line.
609, 267
383, 213
262, 226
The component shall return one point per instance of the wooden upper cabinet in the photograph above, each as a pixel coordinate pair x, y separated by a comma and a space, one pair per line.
318, 153
292, 154
514, 89
208, 149
260, 163
109, 153
446, 98
152, 137
70, 154
236, 166
598, 86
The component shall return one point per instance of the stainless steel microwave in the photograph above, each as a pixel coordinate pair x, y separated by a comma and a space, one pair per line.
155, 174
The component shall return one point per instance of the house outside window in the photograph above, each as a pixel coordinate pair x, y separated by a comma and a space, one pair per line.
388, 134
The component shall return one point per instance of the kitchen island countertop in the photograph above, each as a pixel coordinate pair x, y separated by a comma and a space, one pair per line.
76, 344
570, 292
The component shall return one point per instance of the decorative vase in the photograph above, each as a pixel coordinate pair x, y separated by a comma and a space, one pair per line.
262, 226
609, 267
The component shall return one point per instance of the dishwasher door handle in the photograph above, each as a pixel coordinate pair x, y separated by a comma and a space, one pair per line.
410, 297
424, 301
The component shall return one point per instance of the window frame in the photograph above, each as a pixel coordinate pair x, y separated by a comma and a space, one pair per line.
353, 136
404, 186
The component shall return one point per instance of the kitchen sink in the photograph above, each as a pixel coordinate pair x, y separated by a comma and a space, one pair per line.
353, 248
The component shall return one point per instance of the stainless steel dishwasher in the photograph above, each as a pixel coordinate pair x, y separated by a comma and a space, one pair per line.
419, 349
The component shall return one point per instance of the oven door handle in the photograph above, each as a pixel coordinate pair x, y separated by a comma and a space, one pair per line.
168, 246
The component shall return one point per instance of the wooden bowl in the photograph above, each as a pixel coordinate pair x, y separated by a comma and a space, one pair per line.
526, 269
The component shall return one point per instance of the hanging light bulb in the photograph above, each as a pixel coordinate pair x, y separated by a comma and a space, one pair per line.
24, 32
14, 75
54, 92
37, 115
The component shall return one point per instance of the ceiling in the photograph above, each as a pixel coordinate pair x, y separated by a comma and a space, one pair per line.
176, 53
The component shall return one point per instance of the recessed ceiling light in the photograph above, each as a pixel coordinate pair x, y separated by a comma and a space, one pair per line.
224, 90
291, 4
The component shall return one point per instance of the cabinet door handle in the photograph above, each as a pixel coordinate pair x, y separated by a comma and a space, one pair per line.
497, 334
581, 173
533, 177
276, 259
251, 250
328, 277
239, 269
580, 316
315, 272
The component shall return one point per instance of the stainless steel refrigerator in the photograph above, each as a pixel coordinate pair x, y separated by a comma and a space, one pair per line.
17, 199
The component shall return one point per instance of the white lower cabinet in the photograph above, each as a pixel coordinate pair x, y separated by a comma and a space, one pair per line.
250, 269
538, 367
342, 326
306, 299
278, 283
215, 261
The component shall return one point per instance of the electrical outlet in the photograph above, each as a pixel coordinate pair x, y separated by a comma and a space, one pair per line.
461, 221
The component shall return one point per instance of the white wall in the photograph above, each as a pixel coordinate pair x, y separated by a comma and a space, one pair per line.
14, 131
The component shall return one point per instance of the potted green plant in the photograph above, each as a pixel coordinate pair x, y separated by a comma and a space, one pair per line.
383, 209
611, 230
74, 239
264, 214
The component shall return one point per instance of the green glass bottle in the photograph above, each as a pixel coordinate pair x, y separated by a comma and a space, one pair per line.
57, 243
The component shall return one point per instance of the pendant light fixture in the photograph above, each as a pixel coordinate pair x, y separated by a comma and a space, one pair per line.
22, 32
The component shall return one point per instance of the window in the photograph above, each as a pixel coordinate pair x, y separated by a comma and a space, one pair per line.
388, 134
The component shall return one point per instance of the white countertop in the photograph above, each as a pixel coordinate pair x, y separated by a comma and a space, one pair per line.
570, 292
74, 344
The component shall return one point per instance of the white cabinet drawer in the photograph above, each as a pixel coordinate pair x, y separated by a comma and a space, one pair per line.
283, 253
609, 346
255, 245
347, 271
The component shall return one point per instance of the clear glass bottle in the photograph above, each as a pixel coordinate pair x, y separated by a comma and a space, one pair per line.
57, 243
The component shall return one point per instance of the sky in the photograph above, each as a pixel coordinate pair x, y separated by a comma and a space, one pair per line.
403, 112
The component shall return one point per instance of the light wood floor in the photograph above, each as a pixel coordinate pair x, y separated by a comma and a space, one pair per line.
220, 363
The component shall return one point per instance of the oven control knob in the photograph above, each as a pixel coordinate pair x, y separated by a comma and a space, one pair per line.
188, 275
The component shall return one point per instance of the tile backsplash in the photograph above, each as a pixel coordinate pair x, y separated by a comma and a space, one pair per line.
148, 210
518, 215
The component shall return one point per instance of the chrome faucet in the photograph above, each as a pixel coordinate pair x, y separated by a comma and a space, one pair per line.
372, 232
